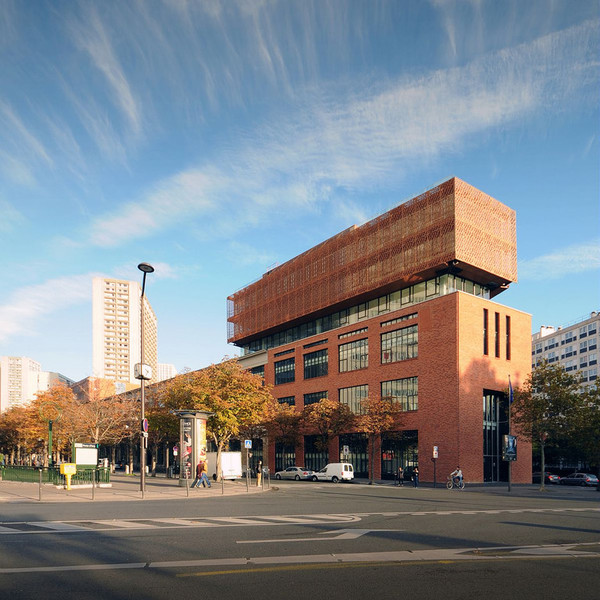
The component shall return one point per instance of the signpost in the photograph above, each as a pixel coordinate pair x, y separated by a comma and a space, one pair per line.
434, 459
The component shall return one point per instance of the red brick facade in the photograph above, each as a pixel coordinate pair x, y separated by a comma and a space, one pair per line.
452, 367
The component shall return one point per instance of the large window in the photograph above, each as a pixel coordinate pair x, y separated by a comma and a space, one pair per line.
354, 355
404, 392
353, 396
285, 371
401, 344
314, 397
315, 364
291, 400
485, 332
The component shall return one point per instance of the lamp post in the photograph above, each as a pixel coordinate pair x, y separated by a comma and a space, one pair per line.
143, 372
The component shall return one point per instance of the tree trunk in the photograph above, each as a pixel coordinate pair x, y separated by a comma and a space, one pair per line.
543, 459
153, 453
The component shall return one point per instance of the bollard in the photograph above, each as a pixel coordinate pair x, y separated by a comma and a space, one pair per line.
40, 490
222, 484
94, 483
187, 486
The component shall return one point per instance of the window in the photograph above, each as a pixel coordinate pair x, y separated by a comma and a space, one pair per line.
507, 333
400, 344
315, 364
315, 397
485, 332
354, 355
402, 391
291, 400
285, 371
497, 335
353, 396
258, 370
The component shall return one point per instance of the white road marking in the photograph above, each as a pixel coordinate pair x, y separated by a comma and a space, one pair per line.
338, 534
400, 556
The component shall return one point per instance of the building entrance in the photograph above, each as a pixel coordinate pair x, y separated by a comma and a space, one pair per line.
495, 425
399, 449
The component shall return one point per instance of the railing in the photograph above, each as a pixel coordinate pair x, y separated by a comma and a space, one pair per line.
85, 475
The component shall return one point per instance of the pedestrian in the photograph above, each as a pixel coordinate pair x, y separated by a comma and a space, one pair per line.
401, 476
196, 482
416, 476
203, 476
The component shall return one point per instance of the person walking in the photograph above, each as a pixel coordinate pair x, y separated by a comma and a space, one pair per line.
416, 477
401, 476
196, 482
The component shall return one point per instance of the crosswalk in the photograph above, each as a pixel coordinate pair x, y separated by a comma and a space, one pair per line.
97, 525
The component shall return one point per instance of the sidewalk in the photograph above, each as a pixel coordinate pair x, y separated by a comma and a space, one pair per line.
123, 488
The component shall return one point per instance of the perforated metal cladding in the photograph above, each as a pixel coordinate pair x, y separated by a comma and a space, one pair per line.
451, 221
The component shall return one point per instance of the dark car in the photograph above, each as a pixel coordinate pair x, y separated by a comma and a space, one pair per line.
582, 479
548, 477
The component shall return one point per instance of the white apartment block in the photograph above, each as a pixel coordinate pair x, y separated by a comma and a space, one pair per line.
166, 371
575, 347
18, 380
116, 330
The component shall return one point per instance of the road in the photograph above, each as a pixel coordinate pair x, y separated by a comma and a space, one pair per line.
304, 538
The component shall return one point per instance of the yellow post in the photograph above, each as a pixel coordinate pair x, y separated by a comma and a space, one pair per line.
68, 470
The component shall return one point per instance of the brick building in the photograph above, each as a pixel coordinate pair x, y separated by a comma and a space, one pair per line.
399, 307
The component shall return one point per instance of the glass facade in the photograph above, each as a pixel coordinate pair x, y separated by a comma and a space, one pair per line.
400, 344
353, 396
291, 400
285, 371
285, 456
399, 449
315, 457
358, 448
314, 397
354, 355
404, 392
495, 425
315, 364
408, 296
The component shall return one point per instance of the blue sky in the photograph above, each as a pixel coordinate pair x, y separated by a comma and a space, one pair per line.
216, 139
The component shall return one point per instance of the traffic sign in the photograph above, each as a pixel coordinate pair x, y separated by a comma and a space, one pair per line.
247, 443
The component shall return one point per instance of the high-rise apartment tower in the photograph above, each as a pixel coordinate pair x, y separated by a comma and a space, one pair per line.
116, 330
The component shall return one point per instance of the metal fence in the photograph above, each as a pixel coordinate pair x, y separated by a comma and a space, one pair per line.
85, 475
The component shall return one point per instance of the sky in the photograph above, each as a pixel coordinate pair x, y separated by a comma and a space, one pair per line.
215, 140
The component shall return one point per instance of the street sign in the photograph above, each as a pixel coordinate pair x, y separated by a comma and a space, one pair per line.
345, 450
247, 443
145, 425
435, 452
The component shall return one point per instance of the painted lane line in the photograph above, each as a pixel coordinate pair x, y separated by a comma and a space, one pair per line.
430, 555
339, 534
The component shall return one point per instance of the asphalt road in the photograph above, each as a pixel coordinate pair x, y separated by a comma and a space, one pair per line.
302, 539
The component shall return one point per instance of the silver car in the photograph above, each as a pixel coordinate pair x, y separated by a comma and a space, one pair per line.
579, 479
296, 473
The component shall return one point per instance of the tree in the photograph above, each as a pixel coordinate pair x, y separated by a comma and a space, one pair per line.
328, 418
237, 398
378, 415
546, 407
586, 436
284, 424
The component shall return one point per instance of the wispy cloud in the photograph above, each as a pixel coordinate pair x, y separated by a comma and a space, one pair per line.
578, 258
10, 217
93, 38
246, 255
287, 166
27, 304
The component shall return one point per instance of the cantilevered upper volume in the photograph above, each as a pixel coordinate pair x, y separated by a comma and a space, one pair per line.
452, 229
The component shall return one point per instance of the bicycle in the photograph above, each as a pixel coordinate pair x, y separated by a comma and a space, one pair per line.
455, 482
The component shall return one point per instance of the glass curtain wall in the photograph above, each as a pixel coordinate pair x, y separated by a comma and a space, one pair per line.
399, 449
495, 425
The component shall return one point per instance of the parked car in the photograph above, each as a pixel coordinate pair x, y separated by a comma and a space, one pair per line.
334, 472
548, 477
296, 473
579, 479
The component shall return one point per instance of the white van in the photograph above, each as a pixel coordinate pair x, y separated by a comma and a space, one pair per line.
335, 472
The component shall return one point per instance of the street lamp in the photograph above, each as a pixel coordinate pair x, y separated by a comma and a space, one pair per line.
143, 372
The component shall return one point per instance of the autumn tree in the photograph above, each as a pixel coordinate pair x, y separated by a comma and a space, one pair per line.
328, 418
377, 416
546, 407
237, 398
586, 434
163, 425
284, 425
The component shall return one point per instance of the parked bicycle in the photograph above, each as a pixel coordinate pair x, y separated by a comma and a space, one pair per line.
455, 482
